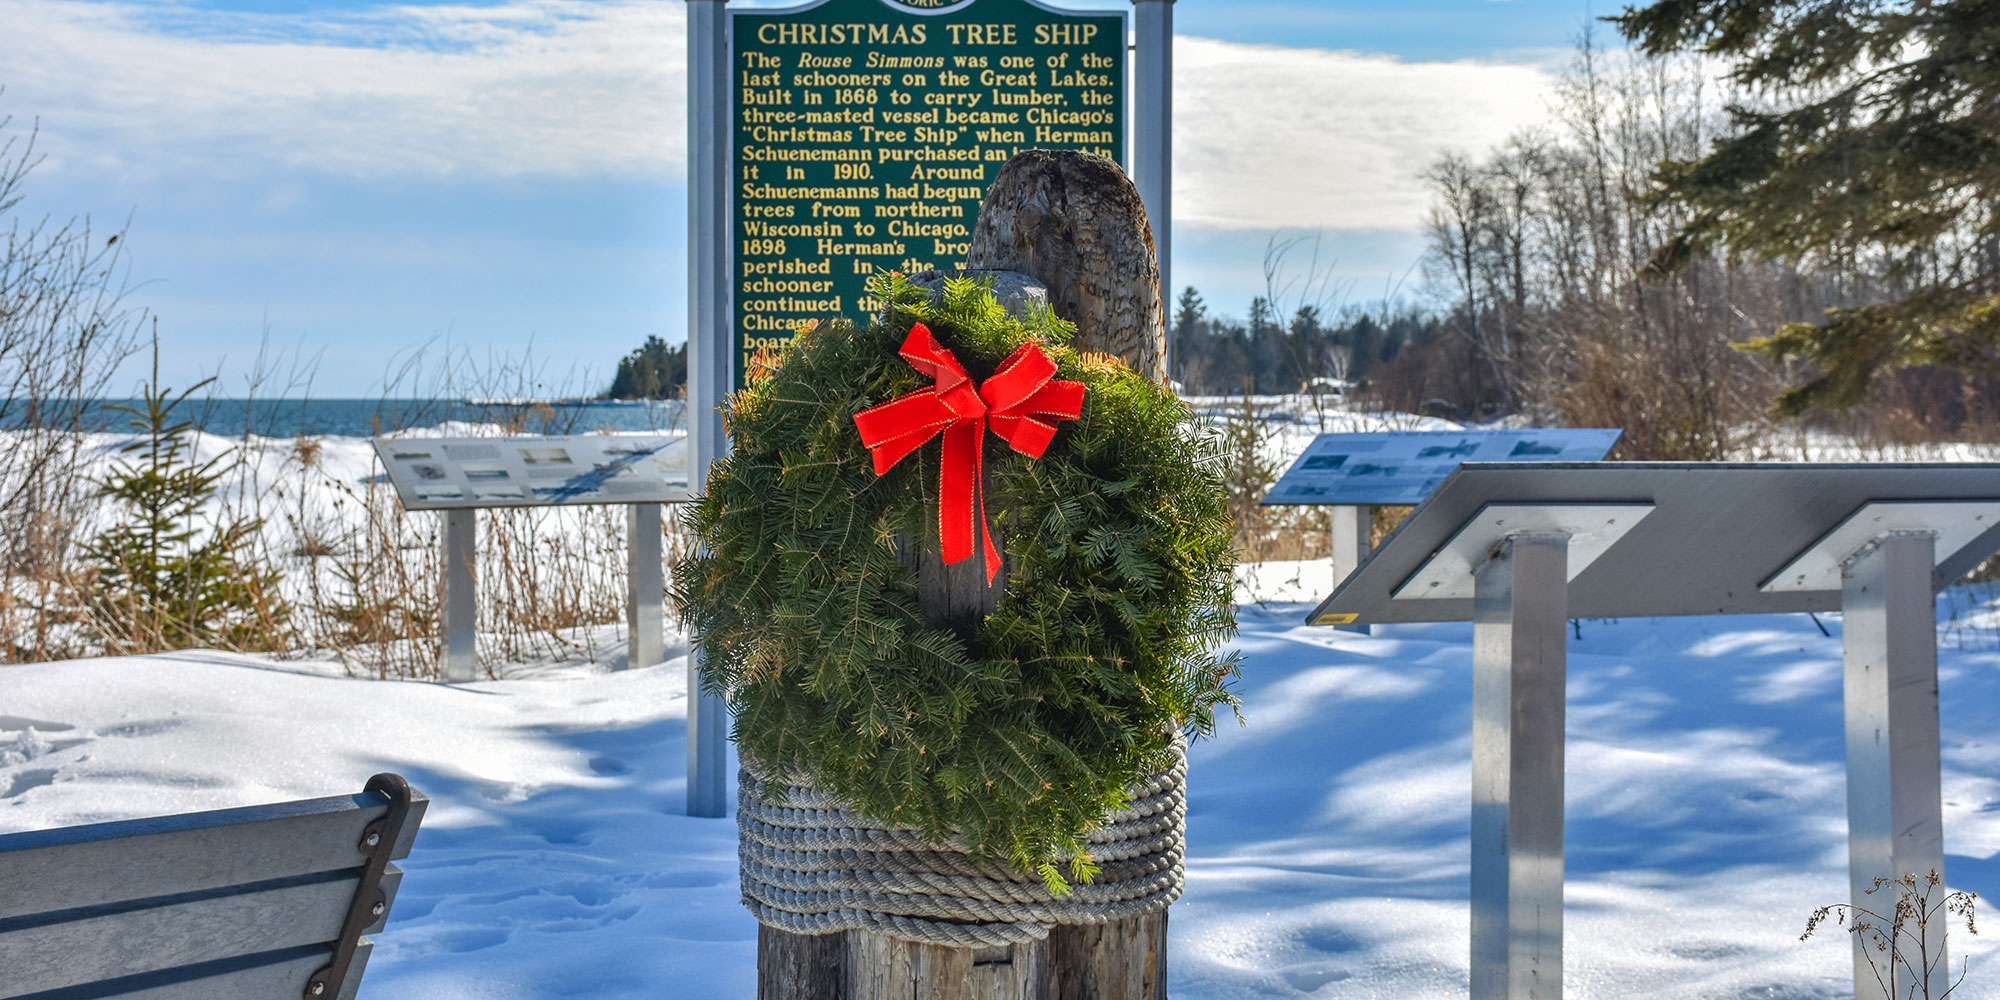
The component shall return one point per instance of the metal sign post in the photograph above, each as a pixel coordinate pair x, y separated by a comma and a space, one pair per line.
645, 587
458, 593
1518, 665
710, 371
1883, 558
1153, 133
1353, 538
1895, 816
1353, 525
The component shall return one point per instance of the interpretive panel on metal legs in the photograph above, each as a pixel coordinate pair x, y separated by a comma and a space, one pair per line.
1403, 467
1519, 548
454, 476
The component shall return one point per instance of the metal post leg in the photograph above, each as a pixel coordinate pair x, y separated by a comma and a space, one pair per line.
1520, 610
460, 595
1352, 540
1152, 157
710, 368
708, 745
645, 588
1894, 818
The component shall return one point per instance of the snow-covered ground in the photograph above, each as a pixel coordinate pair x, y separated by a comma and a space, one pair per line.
1328, 833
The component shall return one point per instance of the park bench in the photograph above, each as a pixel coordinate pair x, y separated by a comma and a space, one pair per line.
267, 902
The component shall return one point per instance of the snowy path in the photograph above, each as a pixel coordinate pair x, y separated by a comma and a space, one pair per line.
1328, 836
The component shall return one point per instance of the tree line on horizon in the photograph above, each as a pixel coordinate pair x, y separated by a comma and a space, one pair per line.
654, 370
1739, 226
1267, 354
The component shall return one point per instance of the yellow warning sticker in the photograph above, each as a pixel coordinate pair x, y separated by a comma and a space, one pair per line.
1335, 619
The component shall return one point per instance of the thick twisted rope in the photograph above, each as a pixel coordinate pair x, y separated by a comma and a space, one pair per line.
811, 866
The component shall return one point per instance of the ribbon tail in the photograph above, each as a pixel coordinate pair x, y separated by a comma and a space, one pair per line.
958, 489
991, 552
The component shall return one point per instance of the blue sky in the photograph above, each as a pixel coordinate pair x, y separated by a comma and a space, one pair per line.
367, 181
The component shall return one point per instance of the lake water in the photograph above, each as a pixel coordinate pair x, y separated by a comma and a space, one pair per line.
365, 417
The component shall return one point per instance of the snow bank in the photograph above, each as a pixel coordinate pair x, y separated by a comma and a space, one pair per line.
1328, 835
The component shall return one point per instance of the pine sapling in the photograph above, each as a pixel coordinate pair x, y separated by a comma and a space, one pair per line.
165, 580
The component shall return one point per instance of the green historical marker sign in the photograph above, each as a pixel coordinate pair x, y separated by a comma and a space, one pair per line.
866, 132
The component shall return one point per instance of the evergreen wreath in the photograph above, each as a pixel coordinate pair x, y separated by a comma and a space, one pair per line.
1015, 739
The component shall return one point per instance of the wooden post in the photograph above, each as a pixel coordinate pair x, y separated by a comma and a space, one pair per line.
1074, 224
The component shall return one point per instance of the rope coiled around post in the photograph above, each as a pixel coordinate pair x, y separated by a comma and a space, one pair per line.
812, 866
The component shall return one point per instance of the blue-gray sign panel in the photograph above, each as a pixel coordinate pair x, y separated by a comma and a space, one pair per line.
1403, 467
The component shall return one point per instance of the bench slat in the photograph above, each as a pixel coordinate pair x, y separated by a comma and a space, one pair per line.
277, 977
94, 948
45, 870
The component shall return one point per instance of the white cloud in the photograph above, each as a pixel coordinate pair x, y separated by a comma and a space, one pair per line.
540, 87
1266, 137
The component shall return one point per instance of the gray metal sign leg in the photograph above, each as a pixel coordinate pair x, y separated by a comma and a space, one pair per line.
1353, 538
1520, 612
459, 595
1153, 134
1895, 821
646, 584
709, 345
708, 745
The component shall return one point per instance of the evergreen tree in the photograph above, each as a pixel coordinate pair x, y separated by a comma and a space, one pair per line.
1232, 370
1312, 351
1267, 349
164, 581
1877, 156
1364, 339
1188, 332
654, 371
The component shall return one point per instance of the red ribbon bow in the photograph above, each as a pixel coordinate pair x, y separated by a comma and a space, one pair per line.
1017, 404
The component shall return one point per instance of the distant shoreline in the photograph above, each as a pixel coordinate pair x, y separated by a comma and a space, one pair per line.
366, 417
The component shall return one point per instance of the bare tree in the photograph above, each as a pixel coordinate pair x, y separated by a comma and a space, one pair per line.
1536, 250
1457, 234
65, 324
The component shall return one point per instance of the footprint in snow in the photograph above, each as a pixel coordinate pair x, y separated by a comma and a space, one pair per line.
564, 832
17, 748
25, 781
1309, 978
23, 740
609, 766
459, 940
